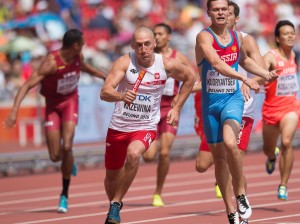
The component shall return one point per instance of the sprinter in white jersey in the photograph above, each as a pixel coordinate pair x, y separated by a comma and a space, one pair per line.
134, 120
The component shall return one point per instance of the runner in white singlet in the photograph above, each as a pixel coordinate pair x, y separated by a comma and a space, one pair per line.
134, 120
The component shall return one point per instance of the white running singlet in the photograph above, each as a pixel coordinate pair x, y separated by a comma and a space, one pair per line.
144, 112
249, 106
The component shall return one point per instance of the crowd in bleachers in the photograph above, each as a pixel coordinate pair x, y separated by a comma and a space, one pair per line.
31, 28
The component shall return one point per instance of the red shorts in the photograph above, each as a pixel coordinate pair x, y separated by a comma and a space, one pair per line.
198, 126
58, 111
117, 143
245, 132
243, 138
272, 116
162, 125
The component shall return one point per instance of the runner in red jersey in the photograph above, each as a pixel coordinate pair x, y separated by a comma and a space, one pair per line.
165, 133
59, 75
280, 108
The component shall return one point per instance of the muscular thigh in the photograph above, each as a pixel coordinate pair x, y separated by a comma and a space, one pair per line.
61, 111
270, 136
288, 125
166, 141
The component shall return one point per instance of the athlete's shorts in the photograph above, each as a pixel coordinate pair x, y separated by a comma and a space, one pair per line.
59, 111
214, 117
162, 125
117, 143
245, 132
272, 116
198, 126
243, 137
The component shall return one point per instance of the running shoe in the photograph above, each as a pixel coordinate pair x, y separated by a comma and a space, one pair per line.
217, 191
233, 218
282, 193
245, 221
63, 204
157, 201
270, 165
244, 207
114, 213
74, 170
106, 220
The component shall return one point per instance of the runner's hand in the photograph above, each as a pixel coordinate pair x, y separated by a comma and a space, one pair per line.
10, 121
273, 75
129, 97
246, 92
252, 84
173, 117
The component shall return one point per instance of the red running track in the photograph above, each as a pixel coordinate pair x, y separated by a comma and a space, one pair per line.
189, 197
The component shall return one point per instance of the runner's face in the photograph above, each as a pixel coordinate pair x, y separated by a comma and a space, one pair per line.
218, 12
286, 36
161, 36
78, 46
144, 46
232, 20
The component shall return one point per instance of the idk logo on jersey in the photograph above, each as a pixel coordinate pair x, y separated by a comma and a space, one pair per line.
156, 75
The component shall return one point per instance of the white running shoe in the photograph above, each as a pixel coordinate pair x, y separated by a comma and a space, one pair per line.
244, 207
233, 218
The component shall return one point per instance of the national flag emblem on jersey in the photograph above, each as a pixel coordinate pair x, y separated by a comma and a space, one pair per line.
156, 75
61, 67
233, 48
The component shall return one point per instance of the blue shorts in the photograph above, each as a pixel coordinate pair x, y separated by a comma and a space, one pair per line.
216, 114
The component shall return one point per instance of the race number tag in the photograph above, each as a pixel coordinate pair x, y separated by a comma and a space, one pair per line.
217, 83
68, 84
169, 87
140, 109
287, 85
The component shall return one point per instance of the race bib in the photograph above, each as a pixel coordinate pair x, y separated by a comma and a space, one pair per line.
287, 85
169, 87
217, 83
67, 85
140, 109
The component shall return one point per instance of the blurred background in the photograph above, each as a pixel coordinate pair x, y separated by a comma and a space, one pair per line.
29, 29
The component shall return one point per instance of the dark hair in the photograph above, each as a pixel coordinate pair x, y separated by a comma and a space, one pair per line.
209, 3
236, 8
280, 24
71, 37
165, 26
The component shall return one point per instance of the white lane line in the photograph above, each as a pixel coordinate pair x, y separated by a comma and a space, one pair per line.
278, 217
139, 188
151, 207
137, 180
